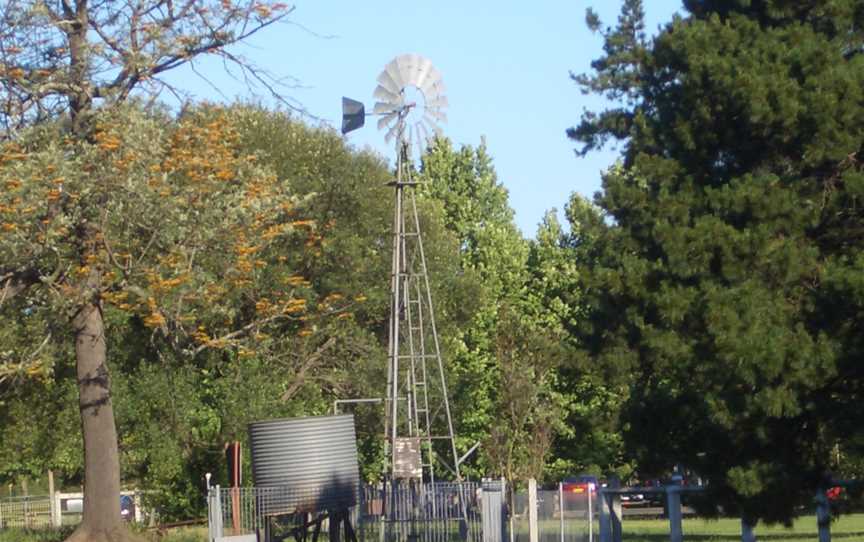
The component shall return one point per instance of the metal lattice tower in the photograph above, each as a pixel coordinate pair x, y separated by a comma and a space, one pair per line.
416, 386
410, 104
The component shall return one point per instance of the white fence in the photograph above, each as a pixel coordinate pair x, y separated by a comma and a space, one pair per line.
47, 511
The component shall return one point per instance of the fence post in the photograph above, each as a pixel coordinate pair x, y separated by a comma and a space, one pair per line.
136, 502
561, 509
610, 513
616, 515
747, 534
823, 516
52, 502
605, 525
673, 502
56, 509
591, 493
217, 513
210, 507
533, 532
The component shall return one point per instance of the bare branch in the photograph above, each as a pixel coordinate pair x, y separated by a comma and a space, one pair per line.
253, 76
206, 80
58, 57
305, 366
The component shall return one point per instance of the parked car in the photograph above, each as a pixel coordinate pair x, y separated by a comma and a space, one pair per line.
576, 491
632, 499
581, 485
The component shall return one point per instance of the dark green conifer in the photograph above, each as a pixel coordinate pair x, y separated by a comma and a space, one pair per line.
728, 287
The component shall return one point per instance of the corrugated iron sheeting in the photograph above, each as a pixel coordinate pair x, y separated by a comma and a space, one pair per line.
314, 459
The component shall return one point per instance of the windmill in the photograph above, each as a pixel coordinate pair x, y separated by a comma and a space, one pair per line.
410, 103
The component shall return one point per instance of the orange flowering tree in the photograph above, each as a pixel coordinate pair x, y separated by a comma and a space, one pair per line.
195, 238
167, 221
68, 60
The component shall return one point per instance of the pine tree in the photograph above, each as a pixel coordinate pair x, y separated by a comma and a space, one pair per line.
726, 289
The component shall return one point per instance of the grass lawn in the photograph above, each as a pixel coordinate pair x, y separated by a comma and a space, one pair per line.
846, 528
182, 534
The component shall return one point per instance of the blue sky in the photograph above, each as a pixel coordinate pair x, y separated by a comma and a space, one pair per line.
506, 66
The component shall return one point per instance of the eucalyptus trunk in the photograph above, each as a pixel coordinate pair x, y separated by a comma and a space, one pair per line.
101, 521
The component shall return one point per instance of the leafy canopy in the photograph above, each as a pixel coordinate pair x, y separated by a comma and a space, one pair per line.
725, 286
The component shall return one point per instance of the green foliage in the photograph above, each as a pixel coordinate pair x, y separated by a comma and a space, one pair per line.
354, 207
212, 295
476, 210
491, 251
179, 399
589, 440
22, 535
528, 408
724, 286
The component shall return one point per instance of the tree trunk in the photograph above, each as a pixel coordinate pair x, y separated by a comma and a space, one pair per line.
101, 521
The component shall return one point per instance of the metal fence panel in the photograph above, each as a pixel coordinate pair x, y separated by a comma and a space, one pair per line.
25, 512
440, 512
37, 512
579, 514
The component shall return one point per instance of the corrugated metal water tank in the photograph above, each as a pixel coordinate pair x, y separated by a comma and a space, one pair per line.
305, 464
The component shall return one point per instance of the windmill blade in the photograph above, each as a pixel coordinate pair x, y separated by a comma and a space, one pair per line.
436, 89
387, 119
408, 65
436, 114
405, 67
424, 131
437, 103
421, 137
394, 131
392, 69
409, 137
433, 79
385, 108
424, 69
386, 81
385, 95
417, 64
430, 123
